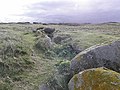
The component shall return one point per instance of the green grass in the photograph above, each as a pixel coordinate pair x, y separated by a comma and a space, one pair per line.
29, 67
85, 39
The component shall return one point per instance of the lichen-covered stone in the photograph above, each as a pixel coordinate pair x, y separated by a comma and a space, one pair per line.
95, 79
98, 56
44, 43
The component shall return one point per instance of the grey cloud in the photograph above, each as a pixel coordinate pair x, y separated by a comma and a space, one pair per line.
65, 11
51, 5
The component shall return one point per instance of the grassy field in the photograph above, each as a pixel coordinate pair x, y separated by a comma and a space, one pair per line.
24, 67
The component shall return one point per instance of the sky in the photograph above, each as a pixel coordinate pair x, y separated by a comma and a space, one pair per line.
60, 11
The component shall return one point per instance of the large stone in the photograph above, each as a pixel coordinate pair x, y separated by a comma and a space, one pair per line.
97, 56
62, 38
49, 30
95, 79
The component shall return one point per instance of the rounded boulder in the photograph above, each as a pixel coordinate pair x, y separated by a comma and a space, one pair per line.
95, 79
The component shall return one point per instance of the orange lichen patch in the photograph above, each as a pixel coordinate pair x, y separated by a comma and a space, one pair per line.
99, 79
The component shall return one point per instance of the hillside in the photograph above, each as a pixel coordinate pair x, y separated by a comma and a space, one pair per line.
26, 62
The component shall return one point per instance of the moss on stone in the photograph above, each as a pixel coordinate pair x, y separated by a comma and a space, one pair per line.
101, 79
97, 79
75, 81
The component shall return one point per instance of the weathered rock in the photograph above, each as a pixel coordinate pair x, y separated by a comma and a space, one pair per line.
98, 56
44, 87
49, 30
95, 79
39, 28
44, 43
61, 38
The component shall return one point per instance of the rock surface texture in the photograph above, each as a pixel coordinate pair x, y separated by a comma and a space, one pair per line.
44, 43
62, 38
98, 56
44, 87
95, 79
49, 30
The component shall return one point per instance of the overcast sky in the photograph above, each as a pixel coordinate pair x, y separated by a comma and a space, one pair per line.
75, 11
